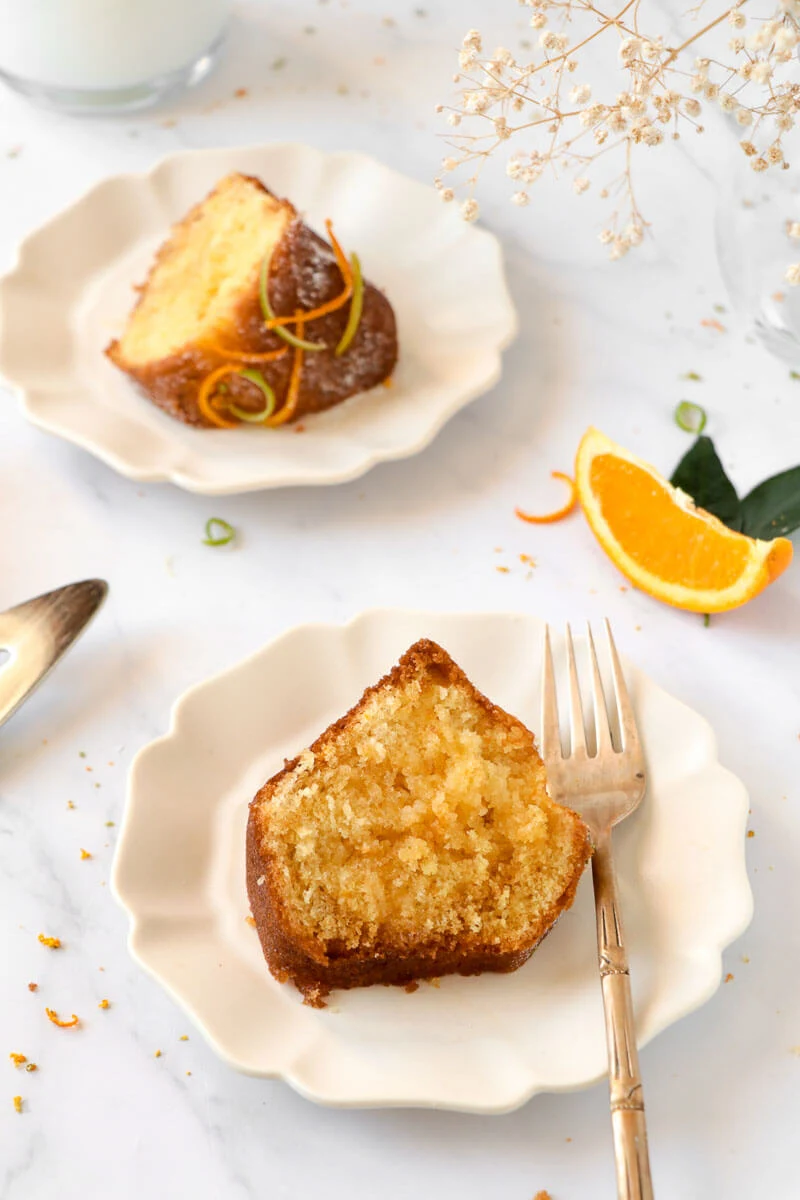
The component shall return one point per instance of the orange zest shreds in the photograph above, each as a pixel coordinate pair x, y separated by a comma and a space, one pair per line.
52, 1015
184, 1037
70, 804
329, 306
560, 513
18, 1104
33, 987
85, 853
527, 560
251, 921
18, 1059
247, 356
53, 942
713, 323
503, 570
104, 1004
157, 1054
206, 392
293, 394
31, 1067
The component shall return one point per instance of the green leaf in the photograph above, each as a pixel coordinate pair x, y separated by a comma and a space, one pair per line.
773, 508
702, 476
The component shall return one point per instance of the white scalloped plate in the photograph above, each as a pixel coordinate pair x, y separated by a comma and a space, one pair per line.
481, 1044
70, 291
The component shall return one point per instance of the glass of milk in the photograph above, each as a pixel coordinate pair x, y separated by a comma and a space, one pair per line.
108, 56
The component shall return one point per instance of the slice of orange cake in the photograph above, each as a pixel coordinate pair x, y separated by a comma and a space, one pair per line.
413, 839
248, 316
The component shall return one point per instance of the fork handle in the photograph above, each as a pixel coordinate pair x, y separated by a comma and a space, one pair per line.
625, 1082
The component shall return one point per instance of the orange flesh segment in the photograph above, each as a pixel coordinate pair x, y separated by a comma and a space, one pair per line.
677, 546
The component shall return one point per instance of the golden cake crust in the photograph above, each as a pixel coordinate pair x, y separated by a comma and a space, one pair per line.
315, 969
303, 274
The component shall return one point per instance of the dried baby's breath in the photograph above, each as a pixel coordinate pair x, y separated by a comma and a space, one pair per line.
559, 125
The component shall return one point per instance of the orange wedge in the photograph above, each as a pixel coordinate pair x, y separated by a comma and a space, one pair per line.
665, 545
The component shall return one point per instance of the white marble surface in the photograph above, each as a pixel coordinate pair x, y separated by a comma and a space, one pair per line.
103, 1116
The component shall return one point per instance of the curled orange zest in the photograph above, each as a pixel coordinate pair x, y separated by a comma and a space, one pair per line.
18, 1059
53, 1016
293, 395
560, 513
53, 942
247, 356
207, 390
330, 305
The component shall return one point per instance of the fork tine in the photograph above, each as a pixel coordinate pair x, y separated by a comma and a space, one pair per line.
551, 737
627, 720
577, 731
601, 725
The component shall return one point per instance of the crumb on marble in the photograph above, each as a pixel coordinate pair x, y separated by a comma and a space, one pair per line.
184, 1037
503, 570
85, 853
251, 921
728, 978
104, 1004
751, 833
53, 943
241, 93
18, 1104
33, 987
18, 1059
70, 804
31, 1066
157, 1054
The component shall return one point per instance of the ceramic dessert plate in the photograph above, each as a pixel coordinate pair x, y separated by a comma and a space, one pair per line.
481, 1044
71, 289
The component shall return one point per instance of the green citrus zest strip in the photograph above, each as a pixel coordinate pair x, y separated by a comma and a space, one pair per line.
691, 418
227, 532
356, 307
260, 382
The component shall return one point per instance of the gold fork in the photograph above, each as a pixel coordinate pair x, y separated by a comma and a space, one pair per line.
605, 787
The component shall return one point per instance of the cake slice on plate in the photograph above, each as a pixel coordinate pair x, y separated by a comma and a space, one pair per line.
415, 838
248, 316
